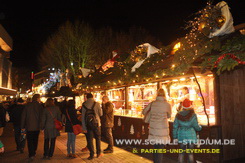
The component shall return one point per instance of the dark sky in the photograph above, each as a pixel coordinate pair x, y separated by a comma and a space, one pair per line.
30, 24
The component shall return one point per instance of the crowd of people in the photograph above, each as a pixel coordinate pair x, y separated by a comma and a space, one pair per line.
96, 120
31, 117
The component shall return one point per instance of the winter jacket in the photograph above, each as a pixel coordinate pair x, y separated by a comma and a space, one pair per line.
16, 113
159, 125
72, 112
47, 121
31, 116
185, 126
1, 144
97, 109
2, 116
107, 119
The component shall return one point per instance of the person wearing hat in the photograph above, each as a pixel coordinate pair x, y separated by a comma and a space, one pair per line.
184, 129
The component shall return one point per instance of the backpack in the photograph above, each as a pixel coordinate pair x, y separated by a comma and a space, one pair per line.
90, 118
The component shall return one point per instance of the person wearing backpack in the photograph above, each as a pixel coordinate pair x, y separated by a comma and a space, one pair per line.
91, 113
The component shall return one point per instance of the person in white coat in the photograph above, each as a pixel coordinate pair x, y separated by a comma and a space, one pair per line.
159, 112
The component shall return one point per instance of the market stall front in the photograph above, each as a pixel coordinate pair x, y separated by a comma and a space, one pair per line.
200, 66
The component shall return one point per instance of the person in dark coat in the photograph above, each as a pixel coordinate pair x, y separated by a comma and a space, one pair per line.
30, 122
2, 118
107, 123
71, 119
50, 113
15, 115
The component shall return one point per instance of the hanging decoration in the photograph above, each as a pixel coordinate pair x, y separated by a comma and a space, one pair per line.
131, 129
110, 62
143, 130
231, 56
119, 122
142, 52
224, 21
213, 20
86, 71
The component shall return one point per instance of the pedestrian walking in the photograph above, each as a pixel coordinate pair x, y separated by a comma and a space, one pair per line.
91, 113
15, 115
2, 118
107, 123
30, 122
158, 111
50, 113
184, 130
71, 119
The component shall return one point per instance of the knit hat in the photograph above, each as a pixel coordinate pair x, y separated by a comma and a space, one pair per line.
187, 104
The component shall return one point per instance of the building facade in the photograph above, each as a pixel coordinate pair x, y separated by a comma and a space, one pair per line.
6, 45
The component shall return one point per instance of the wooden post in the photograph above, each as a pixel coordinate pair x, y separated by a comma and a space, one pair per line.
158, 85
217, 100
126, 98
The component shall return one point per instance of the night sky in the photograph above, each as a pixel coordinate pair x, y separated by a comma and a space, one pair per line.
30, 24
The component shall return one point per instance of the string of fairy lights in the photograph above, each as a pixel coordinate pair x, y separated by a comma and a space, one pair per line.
185, 51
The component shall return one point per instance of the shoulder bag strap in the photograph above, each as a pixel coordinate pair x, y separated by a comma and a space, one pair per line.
68, 117
93, 106
51, 113
149, 109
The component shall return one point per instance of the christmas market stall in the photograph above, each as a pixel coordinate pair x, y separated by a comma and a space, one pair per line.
208, 62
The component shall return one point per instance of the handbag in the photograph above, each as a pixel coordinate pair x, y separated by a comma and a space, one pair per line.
147, 116
77, 129
57, 123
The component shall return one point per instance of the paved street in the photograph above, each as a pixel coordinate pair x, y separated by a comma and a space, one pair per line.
10, 155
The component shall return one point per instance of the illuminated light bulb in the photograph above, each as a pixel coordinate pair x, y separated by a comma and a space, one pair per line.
210, 75
176, 47
175, 80
173, 66
182, 79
